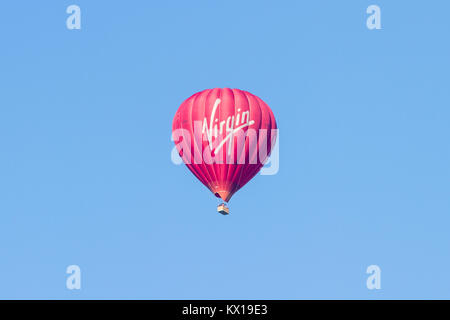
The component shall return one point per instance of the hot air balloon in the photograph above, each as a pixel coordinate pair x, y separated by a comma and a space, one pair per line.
224, 137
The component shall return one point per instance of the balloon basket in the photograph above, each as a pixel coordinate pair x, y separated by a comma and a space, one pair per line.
223, 209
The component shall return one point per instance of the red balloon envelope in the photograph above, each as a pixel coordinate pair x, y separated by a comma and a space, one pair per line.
224, 136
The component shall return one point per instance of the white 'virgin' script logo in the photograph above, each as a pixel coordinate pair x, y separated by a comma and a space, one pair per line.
231, 126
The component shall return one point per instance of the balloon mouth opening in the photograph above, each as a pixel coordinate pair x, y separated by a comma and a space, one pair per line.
224, 195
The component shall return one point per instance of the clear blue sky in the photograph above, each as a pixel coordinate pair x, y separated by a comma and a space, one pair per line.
86, 176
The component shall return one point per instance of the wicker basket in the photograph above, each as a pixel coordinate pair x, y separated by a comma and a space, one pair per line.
223, 209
